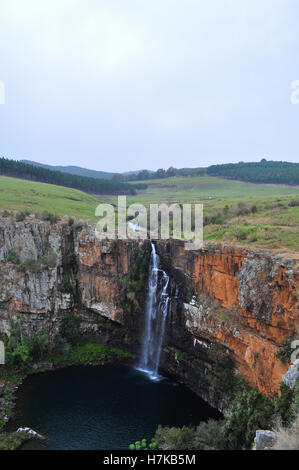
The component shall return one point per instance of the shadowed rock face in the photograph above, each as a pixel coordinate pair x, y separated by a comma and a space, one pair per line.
242, 299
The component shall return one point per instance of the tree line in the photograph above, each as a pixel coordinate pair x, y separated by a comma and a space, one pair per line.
161, 173
258, 172
90, 185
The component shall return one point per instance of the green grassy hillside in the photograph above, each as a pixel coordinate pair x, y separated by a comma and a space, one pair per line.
17, 194
179, 189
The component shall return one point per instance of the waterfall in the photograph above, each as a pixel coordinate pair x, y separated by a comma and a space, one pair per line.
157, 305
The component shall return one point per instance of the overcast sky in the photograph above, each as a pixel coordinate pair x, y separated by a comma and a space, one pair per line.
122, 85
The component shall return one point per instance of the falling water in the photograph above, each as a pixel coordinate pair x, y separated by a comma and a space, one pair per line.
156, 313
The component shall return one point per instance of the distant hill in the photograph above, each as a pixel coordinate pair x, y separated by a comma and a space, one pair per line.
84, 183
73, 170
258, 172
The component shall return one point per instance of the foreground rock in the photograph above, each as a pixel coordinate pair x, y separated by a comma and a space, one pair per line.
264, 440
31, 433
291, 376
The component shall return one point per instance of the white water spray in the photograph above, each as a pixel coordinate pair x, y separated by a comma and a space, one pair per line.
157, 306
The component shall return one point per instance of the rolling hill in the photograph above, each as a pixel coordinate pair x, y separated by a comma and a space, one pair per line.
73, 170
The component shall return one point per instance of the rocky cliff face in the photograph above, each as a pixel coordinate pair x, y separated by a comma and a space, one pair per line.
241, 299
246, 301
35, 259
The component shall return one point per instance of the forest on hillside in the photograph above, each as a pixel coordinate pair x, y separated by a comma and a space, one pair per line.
258, 172
161, 173
90, 185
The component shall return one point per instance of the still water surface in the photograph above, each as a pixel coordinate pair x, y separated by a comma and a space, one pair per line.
102, 407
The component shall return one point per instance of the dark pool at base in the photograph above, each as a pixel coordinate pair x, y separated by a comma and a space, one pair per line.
102, 407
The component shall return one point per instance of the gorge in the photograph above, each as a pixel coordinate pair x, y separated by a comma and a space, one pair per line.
218, 304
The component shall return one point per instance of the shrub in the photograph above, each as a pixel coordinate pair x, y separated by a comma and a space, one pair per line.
61, 345
250, 411
67, 286
40, 345
18, 355
143, 445
70, 329
20, 216
294, 203
189, 294
51, 259
13, 257
285, 350
175, 438
240, 234
288, 438
32, 264
47, 216
283, 405
210, 436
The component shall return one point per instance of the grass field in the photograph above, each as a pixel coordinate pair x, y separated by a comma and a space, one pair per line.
17, 194
194, 189
235, 212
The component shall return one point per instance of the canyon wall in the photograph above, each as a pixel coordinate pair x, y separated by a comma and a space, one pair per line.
242, 299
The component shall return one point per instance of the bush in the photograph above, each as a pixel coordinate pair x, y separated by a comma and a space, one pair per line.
143, 445
240, 234
20, 350
294, 203
13, 257
250, 411
288, 438
283, 405
20, 216
210, 436
189, 294
175, 438
285, 350
70, 329
32, 264
50, 259
61, 346
47, 216
67, 286
40, 345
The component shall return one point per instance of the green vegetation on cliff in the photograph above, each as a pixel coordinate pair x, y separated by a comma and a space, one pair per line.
132, 285
247, 410
13, 440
